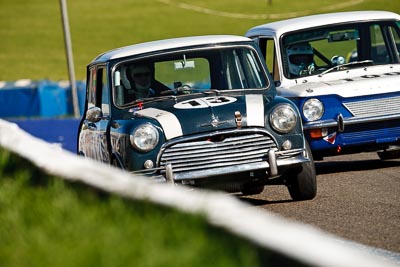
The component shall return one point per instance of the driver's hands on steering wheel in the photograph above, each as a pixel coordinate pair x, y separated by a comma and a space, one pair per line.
184, 89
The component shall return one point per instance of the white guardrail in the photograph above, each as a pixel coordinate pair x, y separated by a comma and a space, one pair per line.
272, 232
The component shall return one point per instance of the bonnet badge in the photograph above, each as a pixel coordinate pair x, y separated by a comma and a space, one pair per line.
214, 122
238, 119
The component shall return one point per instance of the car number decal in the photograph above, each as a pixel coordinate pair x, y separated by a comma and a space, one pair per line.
255, 110
169, 122
205, 102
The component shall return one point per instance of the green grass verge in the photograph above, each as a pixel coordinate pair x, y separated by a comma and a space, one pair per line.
45, 221
31, 34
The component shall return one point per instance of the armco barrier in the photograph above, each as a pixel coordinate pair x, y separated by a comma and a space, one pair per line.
304, 243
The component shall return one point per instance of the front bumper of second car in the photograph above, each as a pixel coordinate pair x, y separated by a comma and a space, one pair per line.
352, 134
339, 123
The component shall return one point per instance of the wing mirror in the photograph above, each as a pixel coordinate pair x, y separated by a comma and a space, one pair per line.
94, 114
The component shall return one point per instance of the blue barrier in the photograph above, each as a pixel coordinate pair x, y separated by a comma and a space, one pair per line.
62, 132
44, 109
54, 100
19, 99
45, 99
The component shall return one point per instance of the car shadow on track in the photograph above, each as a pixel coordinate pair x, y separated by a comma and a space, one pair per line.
279, 195
261, 202
326, 167
330, 165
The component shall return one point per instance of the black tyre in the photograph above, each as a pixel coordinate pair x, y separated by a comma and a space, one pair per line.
302, 185
252, 190
391, 153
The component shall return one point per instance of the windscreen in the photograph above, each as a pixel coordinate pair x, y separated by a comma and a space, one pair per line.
188, 72
316, 50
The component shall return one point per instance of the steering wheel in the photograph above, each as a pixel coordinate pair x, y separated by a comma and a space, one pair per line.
184, 89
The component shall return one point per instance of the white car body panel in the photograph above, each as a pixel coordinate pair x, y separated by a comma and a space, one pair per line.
356, 82
359, 99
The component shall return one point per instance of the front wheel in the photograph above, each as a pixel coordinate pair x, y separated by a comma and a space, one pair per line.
252, 190
302, 185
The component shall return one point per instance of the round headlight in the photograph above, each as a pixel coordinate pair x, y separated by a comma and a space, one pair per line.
313, 109
144, 137
283, 118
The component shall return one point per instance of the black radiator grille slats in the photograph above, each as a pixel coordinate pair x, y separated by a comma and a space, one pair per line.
211, 149
215, 156
206, 154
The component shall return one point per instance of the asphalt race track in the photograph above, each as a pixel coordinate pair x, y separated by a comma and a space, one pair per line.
358, 199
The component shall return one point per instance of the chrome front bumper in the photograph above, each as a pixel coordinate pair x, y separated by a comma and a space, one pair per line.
276, 159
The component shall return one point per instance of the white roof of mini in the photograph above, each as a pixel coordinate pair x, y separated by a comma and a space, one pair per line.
166, 44
282, 26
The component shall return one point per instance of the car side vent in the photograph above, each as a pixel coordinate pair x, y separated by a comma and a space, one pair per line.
370, 76
392, 73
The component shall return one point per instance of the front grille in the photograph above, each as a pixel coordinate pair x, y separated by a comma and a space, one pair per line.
219, 152
356, 134
374, 107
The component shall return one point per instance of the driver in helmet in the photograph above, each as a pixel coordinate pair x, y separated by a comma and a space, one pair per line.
139, 82
141, 78
301, 59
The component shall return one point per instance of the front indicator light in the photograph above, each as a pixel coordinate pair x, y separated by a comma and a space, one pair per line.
318, 133
148, 164
287, 145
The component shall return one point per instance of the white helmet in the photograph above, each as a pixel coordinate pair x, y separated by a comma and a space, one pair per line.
300, 58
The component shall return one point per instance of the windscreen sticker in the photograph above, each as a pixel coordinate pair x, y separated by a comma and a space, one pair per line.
169, 122
205, 102
255, 110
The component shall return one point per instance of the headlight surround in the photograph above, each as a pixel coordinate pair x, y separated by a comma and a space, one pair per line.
144, 137
283, 118
313, 109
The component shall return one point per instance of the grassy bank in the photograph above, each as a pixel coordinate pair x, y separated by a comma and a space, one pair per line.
48, 222
31, 34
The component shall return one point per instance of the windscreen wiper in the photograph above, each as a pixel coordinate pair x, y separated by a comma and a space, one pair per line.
212, 91
337, 67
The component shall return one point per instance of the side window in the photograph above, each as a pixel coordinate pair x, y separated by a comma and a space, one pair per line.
270, 54
267, 47
98, 90
92, 88
105, 94
395, 34
379, 51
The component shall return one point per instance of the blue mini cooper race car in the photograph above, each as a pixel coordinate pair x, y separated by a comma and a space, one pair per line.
198, 111
343, 72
